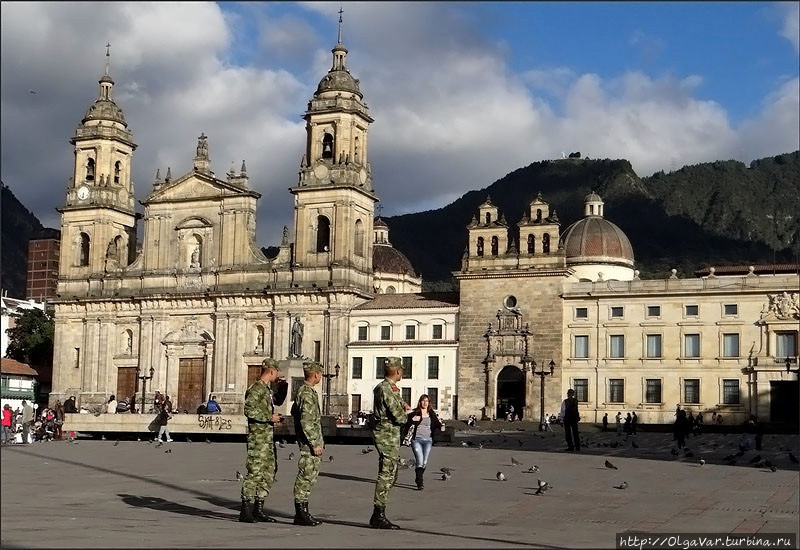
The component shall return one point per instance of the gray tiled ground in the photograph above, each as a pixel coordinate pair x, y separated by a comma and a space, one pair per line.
95, 494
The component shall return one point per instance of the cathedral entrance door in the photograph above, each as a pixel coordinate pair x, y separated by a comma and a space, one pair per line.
783, 403
126, 384
253, 374
510, 391
191, 382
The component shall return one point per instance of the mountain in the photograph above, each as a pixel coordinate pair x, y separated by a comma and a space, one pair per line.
698, 216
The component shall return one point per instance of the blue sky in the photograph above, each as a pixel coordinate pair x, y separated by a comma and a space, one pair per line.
461, 92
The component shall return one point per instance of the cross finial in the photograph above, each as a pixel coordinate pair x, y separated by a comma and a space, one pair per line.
108, 56
379, 208
340, 23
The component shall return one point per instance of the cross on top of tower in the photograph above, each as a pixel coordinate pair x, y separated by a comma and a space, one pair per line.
379, 208
340, 23
108, 57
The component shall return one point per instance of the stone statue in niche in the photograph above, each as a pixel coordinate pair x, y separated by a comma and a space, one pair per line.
194, 262
259, 340
128, 343
296, 340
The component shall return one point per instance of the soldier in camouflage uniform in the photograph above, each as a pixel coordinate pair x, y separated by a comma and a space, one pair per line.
389, 412
308, 428
259, 403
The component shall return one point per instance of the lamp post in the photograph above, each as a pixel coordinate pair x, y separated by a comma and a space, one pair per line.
327, 377
789, 366
144, 378
541, 374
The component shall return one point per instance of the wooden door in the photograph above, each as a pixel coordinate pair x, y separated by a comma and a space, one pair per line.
253, 373
126, 383
355, 404
191, 385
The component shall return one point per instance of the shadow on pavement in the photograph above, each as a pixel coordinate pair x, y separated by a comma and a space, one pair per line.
163, 505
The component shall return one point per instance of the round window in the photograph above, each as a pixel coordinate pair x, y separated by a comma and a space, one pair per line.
510, 302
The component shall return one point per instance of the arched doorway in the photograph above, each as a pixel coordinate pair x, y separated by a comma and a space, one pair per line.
510, 391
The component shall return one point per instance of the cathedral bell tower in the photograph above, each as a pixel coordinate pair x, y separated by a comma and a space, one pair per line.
334, 198
98, 233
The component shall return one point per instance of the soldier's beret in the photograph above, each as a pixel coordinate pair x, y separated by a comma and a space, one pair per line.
311, 366
271, 363
394, 362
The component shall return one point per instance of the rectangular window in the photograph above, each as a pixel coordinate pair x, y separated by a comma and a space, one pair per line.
408, 367
617, 311
358, 363
617, 346
653, 346
785, 344
362, 333
433, 397
616, 390
730, 392
654, 311
691, 390
581, 386
731, 309
653, 391
433, 367
581, 347
379, 364
437, 332
730, 345
581, 312
386, 332
691, 311
317, 350
691, 345
405, 393
411, 332
77, 357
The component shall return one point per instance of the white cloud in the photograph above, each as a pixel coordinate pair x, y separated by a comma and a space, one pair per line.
790, 29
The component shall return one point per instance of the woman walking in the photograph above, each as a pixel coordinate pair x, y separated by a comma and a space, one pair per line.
421, 424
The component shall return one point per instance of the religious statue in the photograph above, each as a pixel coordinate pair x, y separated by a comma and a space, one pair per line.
259, 340
195, 260
296, 341
202, 146
285, 239
128, 342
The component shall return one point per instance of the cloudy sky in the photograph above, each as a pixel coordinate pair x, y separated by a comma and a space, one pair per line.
461, 93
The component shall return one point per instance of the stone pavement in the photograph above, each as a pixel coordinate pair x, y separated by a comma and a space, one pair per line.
95, 494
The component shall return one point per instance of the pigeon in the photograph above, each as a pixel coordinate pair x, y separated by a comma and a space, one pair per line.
446, 470
532, 470
500, 476
239, 476
445, 476
366, 451
793, 458
773, 468
702, 461
515, 462
542, 487
674, 452
168, 451
138, 439
520, 442
755, 459
160, 443
97, 413
611, 466
208, 440
463, 443
480, 446
188, 440
116, 443
102, 437
623, 485
290, 457
281, 445
330, 458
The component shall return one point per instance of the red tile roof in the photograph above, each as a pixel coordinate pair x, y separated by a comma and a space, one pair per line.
12, 366
410, 301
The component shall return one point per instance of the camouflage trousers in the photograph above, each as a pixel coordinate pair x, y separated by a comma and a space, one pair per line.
261, 463
388, 455
307, 473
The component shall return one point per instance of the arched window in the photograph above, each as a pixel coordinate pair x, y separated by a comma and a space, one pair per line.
495, 246
531, 244
90, 170
480, 246
323, 234
83, 257
355, 151
127, 342
359, 238
390, 290
546, 243
117, 170
122, 254
538, 215
327, 146
488, 218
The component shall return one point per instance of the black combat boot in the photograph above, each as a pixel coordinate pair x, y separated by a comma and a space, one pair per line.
419, 472
379, 521
246, 514
302, 517
258, 512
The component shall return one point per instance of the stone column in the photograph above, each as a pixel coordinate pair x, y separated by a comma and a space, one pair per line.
490, 409
236, 343
103, 359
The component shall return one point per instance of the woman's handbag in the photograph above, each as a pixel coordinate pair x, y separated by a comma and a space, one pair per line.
409, 437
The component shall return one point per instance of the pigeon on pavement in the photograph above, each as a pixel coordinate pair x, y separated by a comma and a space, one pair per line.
500, 476
160, 443
515, 462
445, 476
611, 466
116, 443
330, 458
447, 470
623, 485
168, 451
542, 487
532, 470
208, 440
239, 476
702, 461
291, 456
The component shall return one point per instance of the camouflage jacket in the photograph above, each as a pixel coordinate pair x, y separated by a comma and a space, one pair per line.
387, 407
308, 418
258, 403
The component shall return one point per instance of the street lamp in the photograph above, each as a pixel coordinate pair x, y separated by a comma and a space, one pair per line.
789, 366
327, 378
541, 374
144, 378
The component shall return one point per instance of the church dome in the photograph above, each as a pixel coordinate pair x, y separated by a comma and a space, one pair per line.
596, 240
339, 81
379, 223
387, 259
104, 109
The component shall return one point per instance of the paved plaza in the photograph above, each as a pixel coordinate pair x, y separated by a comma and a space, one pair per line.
94, 493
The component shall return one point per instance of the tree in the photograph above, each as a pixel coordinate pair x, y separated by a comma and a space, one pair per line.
31, 338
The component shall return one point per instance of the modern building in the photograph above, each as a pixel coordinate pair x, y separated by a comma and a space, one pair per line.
43, 258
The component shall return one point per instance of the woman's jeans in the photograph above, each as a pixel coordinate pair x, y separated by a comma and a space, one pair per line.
421, 449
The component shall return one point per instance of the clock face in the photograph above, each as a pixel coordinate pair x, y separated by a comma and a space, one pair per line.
321, 171
362, 176
83, 192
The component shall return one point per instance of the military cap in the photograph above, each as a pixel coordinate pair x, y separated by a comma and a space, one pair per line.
270, 363
394, 362
311, 366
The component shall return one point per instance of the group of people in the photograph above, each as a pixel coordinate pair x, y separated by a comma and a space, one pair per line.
44, 426
391, 418
627, 426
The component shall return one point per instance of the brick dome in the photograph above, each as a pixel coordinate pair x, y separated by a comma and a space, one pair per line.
387, 259
596, 240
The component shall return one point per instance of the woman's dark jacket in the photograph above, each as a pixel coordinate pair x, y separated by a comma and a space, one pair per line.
436, 424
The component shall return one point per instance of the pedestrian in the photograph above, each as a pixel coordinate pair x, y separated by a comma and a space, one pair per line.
111, 406
627, 427
389, 414
679, 428
163, 418
510, 414
619, 422
59, 419
569, 415
546, 423
259, 408
690, 423
158, 401
605, 422
212, 407
69, 405
27, 421
7, 437
422, 423
634, 422
308, 429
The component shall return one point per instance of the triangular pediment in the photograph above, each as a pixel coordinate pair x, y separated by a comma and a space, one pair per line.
195, 186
